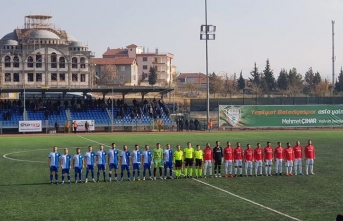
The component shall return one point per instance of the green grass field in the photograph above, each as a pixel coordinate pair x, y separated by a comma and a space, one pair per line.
26, 194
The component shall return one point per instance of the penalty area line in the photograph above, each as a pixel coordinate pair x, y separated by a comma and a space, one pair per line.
247, 200
93, 141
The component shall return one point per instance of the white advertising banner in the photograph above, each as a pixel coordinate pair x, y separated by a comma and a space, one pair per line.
81, 125
30, 126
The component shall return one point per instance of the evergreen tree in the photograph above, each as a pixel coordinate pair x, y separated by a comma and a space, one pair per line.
294, 78
216, 84
241, 82
268, 76
282, 81
255, 76
339, 83
152, 76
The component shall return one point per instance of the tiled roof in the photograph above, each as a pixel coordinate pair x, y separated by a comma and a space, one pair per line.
116, 52
197, 78
115, 61
132, 46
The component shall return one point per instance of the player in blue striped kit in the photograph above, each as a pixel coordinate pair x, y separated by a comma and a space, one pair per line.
54, 158
101, 160
147, 160
125, 163
65, 165
168, 161
136, 163
89, 160
78, 164
112, 161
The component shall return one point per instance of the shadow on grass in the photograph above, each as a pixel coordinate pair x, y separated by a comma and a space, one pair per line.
28, 184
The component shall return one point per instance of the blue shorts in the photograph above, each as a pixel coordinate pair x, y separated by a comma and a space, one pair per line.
53, 169
136, 166
125, 167
65, 171
90, 167
101, 167
168, 165
113, 166
78, 170
147, 166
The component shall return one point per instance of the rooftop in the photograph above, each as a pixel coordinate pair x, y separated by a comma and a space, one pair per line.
113, 61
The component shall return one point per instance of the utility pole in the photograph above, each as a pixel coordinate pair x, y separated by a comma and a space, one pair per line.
333, 52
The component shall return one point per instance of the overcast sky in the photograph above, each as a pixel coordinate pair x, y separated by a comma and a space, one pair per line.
291, 33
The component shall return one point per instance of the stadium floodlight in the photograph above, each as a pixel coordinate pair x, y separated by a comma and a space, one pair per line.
207, 32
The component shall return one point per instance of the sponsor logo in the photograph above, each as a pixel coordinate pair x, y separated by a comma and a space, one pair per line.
233, 116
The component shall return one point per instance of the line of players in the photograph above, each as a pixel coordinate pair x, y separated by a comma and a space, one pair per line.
183, 161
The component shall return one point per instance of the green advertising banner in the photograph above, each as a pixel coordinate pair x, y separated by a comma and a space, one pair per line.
280, 116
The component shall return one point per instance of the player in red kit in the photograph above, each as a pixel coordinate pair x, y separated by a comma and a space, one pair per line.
228, 157
248, 158
289, 157
268, 159
208, 158
298, 155
310, 156
258, 158
278, 158
238, 158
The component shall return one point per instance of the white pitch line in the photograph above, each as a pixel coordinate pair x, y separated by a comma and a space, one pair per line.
250, 201
30, 161
93, 141
225, 191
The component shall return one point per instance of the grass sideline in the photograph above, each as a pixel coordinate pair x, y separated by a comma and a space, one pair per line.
26, 194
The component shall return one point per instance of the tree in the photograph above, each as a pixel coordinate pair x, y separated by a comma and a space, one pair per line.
295, 82
152, 76
216, 84
339, 83
321, 88
241, 82
282, 80
255, 76
107, 74
268, 76
312, 80
229, 84
263, 83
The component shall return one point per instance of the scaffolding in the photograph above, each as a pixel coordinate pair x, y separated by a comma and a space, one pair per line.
38, 22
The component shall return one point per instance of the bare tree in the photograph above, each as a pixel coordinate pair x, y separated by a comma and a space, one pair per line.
321, 88
230, 85
256, 89
107, 75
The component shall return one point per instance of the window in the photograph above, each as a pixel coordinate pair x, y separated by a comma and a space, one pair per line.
145, 58
62, 77
121, 77
156, 60
155, 67
83, 78
16, 77
38, 60
83, 62
30, 62
74, 77
122, 68
74, 62
8, 77
62, 62
145, 67
30, 77
53, 77
53, 60
7, 62
38, 77
16, 62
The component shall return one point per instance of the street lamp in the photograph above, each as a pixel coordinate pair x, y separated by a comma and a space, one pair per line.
207, 32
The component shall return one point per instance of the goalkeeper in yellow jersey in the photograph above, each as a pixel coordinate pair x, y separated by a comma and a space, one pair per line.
198, 155
178, 157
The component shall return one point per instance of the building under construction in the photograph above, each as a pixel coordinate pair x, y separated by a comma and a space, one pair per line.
40, 56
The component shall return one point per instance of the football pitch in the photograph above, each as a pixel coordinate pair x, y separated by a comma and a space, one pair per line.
26, 192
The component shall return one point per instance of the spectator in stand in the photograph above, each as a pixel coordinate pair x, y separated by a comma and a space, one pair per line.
75, 125
196, 124
87, 127
210, 125
191, 124
186, 125
57, 125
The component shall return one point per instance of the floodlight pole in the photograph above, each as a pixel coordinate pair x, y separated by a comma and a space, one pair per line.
207, 32
208, 79
24, 112
333, 53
